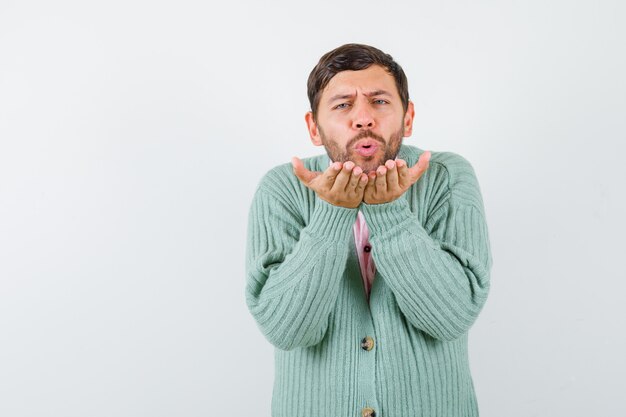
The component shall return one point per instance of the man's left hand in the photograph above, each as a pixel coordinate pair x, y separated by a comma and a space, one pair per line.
391, 180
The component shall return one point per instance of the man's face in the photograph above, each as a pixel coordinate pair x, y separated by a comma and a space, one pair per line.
360, 118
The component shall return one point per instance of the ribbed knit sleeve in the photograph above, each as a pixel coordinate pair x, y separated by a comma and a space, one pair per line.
439, 271
293, 269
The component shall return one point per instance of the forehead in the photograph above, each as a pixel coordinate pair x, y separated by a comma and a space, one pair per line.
372, 78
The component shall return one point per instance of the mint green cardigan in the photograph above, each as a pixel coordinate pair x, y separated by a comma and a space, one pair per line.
305, 291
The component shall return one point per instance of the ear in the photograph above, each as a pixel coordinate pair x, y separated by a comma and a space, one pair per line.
314, 132
408, 119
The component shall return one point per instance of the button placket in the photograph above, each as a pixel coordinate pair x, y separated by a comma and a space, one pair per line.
368, 343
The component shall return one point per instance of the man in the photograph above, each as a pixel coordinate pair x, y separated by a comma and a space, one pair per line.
367, 267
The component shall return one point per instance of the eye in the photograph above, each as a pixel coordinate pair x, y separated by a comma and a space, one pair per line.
380, 101
341, 106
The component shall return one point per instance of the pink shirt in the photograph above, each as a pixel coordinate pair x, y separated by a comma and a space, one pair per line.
364, 251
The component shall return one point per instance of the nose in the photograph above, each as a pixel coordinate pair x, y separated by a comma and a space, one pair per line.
363, 118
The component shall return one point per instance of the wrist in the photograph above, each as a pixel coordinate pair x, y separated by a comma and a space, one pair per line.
331, 222
373, 202
383, 217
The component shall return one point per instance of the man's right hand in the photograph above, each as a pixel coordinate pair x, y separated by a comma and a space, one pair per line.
342, 185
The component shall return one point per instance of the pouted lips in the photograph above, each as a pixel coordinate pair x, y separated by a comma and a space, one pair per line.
366, 147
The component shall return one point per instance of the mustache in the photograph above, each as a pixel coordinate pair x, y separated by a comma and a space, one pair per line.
363, 135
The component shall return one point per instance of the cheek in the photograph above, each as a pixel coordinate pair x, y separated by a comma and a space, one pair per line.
337, 130
339, 135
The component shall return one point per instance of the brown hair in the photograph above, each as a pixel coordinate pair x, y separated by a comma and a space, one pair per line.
353, 57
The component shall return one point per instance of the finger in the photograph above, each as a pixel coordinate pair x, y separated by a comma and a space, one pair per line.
343, 177
369, 186
416, 171
362, 184
329, 176
392, 176
301, 172
354, 178
381, 179
403, 174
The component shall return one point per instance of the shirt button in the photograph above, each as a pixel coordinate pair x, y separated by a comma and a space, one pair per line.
367, 248
367, 343
368, 412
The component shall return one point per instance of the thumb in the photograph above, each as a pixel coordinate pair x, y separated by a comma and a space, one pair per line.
420, 167
301, 172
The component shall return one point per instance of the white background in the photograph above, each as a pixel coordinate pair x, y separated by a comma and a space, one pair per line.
133, 135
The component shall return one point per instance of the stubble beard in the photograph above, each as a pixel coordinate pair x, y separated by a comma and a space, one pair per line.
368, 164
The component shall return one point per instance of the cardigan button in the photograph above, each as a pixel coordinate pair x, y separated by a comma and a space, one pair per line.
368, 412
367, 343
367, 248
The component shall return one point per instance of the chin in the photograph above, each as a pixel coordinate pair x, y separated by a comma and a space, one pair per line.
367, 163
369, 167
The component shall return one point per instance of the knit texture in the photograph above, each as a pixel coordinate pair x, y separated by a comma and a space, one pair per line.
305, 291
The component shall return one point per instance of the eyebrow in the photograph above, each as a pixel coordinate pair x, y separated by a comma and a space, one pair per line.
372, 94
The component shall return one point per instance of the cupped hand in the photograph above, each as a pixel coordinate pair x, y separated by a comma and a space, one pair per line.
341, 184
391, 180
